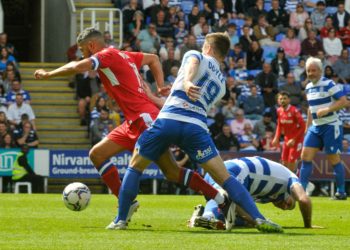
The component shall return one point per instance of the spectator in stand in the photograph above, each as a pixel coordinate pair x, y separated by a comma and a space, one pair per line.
226, 140
214, 9
308, 25
15, 111
155, 9
173, 74
148, 40
346, 147
291, 45
344, 34
17, 89
83, 93
8, 77
318, 16
342, 66
256, 11
26, 136
107, 36
197, 29
298, 18
3, 102
265, 33
328, 72
216, 127
266, 141
101, 126
230, 90
255, 56
163, 27
229, 109
193, 17
244, 90
4, 43
222, 24
4, 129
8, 141
327, 25
310, 5
5, 58
248, 141
128, 13
254, 105
237, 125
95, 113
246, 38
101, 93
295, 93
237, 53
264, 123
164, 50
322, 57
280, 66
341, 17
201, 38
311, 45
240, 73
169, 63
12, 66
344, 116
190, 45
291, 5
3, 118
278, 17
180, 32
135, 26
232, 33
332, 46
267, 81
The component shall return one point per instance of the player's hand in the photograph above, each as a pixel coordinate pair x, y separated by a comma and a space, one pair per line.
164, 91
41, 74
192, 91
275, 142
322, 112
291, 143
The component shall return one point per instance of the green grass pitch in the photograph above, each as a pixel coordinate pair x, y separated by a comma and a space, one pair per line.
42, 222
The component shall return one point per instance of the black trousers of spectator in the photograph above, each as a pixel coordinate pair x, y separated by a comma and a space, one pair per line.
36, 180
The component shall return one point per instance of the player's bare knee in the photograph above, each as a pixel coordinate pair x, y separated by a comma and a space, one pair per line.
333, 159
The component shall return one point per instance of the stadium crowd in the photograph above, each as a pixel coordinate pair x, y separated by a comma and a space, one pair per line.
17, 118
270, 42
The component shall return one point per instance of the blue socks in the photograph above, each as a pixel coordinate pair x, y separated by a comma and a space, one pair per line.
239, 194
128, 192
339, 172
305, 173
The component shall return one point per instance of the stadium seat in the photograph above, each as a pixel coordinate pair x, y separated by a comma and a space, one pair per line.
279, 37
238, 22
267, 6
210, 121
331, 10
293, 62
187, 6
269, 53
254, 72
27, 184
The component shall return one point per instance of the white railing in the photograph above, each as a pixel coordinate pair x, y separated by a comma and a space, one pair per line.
108, 26
73, 21
1, 18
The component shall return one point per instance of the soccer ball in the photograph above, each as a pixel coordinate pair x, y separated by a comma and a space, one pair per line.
76, 196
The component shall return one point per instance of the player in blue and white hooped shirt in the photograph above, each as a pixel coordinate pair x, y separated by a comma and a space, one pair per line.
324, 128
267, 181
183, 121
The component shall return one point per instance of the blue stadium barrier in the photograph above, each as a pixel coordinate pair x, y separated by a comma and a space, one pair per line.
269, 53
238, 22
293, 62
254, 72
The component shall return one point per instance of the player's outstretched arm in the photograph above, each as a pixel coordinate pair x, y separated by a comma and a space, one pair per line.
191, 69
67, 69
155, 99
304, 201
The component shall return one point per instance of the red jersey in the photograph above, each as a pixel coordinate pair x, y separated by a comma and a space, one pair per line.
345, 35
119, 73
290, 123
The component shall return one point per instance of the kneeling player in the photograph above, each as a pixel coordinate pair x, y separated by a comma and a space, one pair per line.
267, 181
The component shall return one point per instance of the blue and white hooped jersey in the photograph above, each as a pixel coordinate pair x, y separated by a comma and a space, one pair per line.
178, 105
264, 179
320, 95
